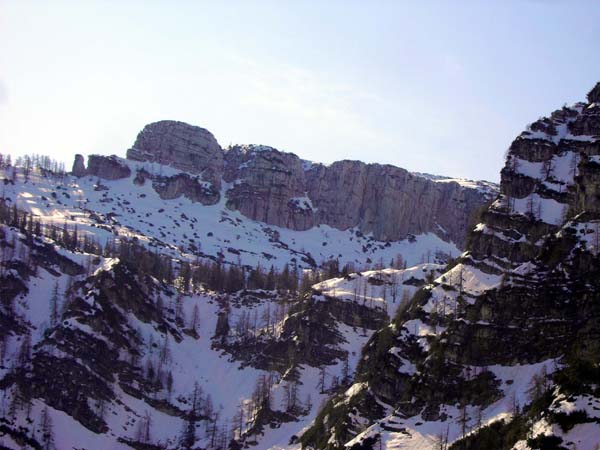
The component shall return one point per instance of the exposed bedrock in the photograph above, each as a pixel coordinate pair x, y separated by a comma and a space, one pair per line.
280, 189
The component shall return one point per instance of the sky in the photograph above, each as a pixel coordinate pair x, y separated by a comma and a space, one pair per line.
432, 86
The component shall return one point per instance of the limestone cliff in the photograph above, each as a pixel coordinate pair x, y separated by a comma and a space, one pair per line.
279, 188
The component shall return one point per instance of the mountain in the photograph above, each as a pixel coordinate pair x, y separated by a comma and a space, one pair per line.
165, 300
280, 189
501, 350
190, 297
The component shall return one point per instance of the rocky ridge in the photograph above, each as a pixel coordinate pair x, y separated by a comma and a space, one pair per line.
280, 189
499, 349
131, 347
508, 334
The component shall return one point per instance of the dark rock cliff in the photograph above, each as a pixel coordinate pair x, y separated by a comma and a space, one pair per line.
525, 292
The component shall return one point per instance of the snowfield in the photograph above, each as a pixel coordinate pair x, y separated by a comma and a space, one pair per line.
106, 209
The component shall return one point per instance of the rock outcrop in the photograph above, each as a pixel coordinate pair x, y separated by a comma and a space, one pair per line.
594, 95
182, 184
267, 186
107, 167
525, 293
185, 147
78, 166
390, 202
279, 188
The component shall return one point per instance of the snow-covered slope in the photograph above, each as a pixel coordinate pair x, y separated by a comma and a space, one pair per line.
384, 289
127, 355
128, 351
105, 209
501, 350
117, 279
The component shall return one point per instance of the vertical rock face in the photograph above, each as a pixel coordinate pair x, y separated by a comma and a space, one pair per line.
107, 167
280, 189
78, 166
550, 176
387, 201
269, 186
594, 95
185, 147
391, 202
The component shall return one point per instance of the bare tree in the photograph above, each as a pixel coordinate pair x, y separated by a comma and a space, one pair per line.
54, 305
195, 320
143, 429
321, 384
514, 405
345, 370
46, 429
441, 439
596, 238
463, 419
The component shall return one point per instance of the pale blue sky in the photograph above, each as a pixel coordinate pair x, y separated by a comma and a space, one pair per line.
441, 87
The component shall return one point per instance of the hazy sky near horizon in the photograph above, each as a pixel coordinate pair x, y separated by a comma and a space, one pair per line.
434, 86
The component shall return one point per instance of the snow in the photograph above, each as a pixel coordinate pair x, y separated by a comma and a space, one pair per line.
470, 279
304, 203
179, 225
355, 389
422, 331
547, 210
556, 175
414, 433
559, 168
170, 224
563, 135
191, 360
581, 437
587, 403
499, 234
561, 125
482, 186
588, 234
380, 289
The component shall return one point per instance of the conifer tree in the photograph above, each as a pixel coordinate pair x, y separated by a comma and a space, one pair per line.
46, 430
54, 305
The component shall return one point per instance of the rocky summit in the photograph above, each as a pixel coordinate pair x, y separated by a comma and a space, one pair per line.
185, 147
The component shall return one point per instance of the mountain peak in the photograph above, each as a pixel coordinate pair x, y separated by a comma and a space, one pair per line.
178, 144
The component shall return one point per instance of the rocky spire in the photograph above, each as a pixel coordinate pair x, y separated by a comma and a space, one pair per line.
78, 166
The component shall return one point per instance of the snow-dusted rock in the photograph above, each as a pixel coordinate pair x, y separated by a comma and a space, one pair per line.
278, 188
481, 341
107, 167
